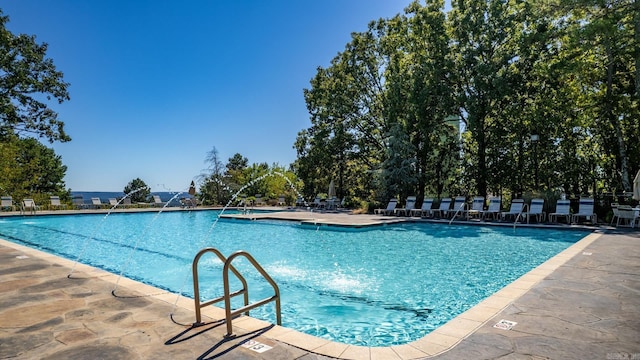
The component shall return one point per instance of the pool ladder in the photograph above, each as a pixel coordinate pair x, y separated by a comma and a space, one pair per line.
229, 313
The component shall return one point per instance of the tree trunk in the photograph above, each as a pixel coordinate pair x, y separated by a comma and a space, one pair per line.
615, 121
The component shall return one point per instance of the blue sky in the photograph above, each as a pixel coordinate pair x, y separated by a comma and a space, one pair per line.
155, 85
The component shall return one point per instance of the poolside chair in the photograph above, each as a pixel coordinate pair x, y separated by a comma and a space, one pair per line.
281, 201
113, 202
585, 210
157, 201
445, 205
259, 200
408, 206
477, 207
614, 208
535, 210
7, 203
126, 202
96, 202
627, 214
459, 207
494, 209
563, 209
78, 202
516, 210
391, 207
55, 203
424, 210
300, 201
29, 205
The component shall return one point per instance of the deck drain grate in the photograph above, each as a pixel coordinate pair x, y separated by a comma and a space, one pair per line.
505, 324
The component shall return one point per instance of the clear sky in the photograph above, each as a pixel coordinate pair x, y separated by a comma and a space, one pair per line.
157, 84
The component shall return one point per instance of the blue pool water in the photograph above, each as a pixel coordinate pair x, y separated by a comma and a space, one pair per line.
379, 286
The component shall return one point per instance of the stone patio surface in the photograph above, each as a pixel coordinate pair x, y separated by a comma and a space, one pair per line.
582, 304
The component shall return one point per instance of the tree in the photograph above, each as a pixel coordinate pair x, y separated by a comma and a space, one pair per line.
138, 189
27, 77
30, 169
214, 190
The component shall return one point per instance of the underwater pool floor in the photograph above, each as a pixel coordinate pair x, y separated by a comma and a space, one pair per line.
582, 303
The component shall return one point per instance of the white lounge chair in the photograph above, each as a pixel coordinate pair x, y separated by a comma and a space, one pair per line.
96, 202
113, 202
55, 203
78, 202
563, 209
425, 209
29, 205
7, 203
516, 210
157, 201
477, 207
627, 214
410, 205
445, 205
494, 209
536, 209
389, 210
585, 210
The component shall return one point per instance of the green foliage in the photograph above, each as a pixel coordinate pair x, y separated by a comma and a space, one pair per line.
29, 169
27, 77
565, 71
140, 192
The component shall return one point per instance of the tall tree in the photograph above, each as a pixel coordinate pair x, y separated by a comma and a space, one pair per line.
27, 77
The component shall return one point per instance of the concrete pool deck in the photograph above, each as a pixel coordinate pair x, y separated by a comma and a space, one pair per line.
582, 303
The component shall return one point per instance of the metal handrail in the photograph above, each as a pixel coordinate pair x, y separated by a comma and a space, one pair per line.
227, 296
196, 285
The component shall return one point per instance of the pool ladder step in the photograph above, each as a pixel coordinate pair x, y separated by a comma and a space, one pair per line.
229, 313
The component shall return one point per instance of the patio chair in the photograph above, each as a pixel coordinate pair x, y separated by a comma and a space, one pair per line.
29, 205
389, 210
408, 206
445, 205
585, 210
459, 207
157, 201
96, 202
113, 202
424, 210
127, 202
300, 201
563, 209
78, 202
477, 207
614, 208
55, 203
516, 210
7, 203
494, 209
535, 210
281, 201
627, 214
259, 200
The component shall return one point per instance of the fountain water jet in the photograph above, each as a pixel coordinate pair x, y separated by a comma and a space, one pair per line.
84, 248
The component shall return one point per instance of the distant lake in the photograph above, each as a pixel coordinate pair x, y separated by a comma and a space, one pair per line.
106, 195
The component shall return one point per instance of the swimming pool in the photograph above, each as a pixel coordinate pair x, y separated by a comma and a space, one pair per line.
378, 286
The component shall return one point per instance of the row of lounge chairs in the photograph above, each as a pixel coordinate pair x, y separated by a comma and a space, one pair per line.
29, 205
518, 211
